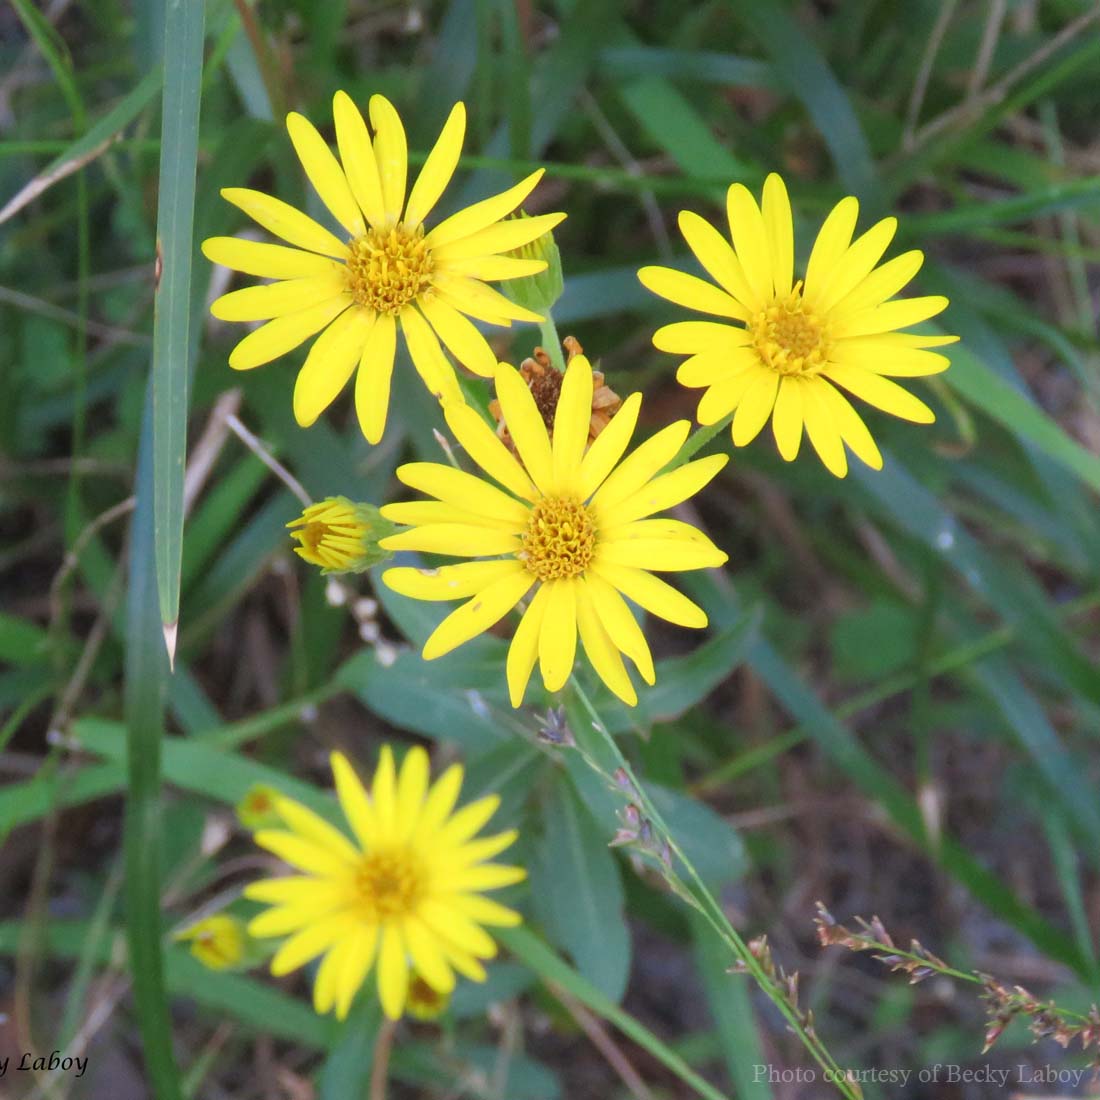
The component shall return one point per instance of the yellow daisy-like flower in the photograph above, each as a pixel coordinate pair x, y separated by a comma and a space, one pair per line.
386, 272
340, 535
794, 343
407, 890
571, 521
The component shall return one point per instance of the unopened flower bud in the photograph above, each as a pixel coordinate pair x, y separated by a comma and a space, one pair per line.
341, 536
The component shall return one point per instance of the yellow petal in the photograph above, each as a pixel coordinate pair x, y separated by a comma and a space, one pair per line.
358, 957
483, 446
357, 155
524, 650
330, 363
882, 393
623, 629
428, 358
558, 636
719, 260
477, 851
493, 268
458, 540
391, 154
502, 237
326, 983
452, 927
372, 380
851, 427
463, 490
664, 491
282, 891
285, 221
823, 432
354, 801
726, 394
438, 168
419, 513
775, 206
882, 355
655, 595
440, 801
600, 650
692, 337
666, 545
478, 300
467, 822
572, 420
427, 956
829, 248
609, 446
285, 333
787, 418
525, 423
393, 972
449, 582
308, 944
315, 829
485, 876
882, 284
750, 239
304, 854
482, 611
268, 261
856, 264
755, 407
486, 911
261, 303
412, 786
643, 464
463, 340
691, 292
325, 173
474, 218
383, 791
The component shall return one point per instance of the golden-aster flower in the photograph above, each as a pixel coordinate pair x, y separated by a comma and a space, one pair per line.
218, 942
386, 271
794, 346
407, 890
340, 535
571, 522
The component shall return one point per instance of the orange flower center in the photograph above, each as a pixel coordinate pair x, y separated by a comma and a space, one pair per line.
789, 338
388, 268
560, 539
389, 884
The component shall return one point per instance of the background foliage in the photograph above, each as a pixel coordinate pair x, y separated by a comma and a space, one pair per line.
896, 709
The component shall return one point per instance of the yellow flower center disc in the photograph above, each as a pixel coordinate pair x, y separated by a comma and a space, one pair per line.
560, 539
790, 338
388, 268
389, 884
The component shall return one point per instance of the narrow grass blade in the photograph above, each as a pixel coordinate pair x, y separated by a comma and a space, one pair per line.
183, 40
146, 673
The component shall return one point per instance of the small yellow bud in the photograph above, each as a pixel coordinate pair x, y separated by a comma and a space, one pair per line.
218, 942
425, 1003
537, 292
341, 536
257, 809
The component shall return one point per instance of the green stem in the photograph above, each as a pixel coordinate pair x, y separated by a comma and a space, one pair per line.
699, 439
708, 906
551, 342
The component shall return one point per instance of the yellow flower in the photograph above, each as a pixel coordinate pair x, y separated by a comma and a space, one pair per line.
570, 523
218, 942
385, 271
794, 343
340, 535
407, 890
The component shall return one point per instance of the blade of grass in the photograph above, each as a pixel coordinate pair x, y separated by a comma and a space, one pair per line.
146, 673
183, 42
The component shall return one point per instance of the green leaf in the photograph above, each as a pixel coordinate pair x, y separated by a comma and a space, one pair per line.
183, 44
579, 895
